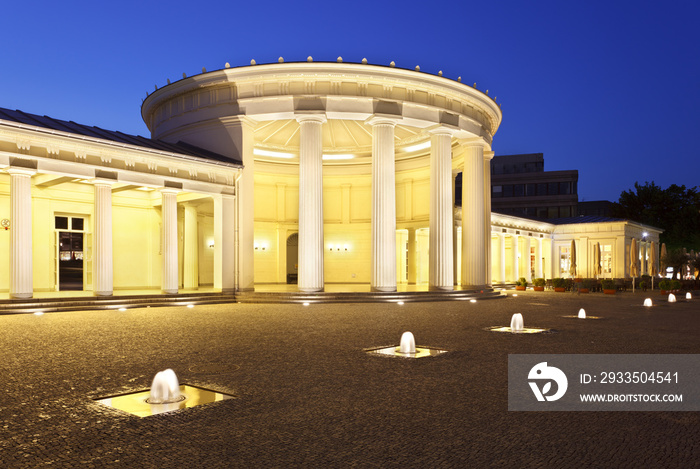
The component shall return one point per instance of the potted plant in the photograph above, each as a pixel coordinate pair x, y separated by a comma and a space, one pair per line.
559, 284
538, 284
665, 286
608, 286
521, 284
676, 285
586, 285
643, 285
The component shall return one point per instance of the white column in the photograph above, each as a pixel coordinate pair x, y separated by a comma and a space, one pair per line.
311, 203
21, 274
240, 129
102, 239
538, 260
473, 218
528, 259
502, 257
224, 243
440, 257
383, 276
169, 280
516, 260
191, 249
488, 155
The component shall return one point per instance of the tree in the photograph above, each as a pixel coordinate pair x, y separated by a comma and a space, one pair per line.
675, 209
676, 258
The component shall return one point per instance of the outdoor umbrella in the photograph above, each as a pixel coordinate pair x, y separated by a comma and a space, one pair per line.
633, 261
599, 264
662, 258
572, 270
652, 261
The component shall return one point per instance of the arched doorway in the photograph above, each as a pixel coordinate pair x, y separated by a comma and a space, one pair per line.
292, 258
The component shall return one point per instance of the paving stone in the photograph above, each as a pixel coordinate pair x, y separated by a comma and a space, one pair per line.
308, 395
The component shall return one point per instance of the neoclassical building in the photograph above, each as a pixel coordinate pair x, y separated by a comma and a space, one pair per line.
308, 173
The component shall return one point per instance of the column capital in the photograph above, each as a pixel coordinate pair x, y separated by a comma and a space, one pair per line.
103, 182
443, 129
18, 171
383, 119
169, 190
240, 119
473, 142
310, 117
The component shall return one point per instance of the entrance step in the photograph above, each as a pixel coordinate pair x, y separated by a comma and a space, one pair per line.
365, 297
47, 305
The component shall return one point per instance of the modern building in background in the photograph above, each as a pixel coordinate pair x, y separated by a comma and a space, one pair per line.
520, 186
313, 173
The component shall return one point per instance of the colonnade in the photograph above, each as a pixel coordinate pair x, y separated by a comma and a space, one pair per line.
475, 219
520, 258
21, 249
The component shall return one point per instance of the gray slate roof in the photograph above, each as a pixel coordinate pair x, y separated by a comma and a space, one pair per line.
112, 136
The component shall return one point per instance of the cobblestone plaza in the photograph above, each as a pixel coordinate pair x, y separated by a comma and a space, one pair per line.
307, 395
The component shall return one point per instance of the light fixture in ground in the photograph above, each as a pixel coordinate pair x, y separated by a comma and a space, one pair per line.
406, 349
135, 403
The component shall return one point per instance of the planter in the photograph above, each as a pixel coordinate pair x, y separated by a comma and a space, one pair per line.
520, 288
583, 290
559, 289
663, 292
538, 288
609, 292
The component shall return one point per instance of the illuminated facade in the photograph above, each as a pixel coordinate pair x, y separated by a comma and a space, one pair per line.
307, 173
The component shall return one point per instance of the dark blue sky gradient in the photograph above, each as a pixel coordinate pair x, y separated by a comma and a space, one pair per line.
609, 88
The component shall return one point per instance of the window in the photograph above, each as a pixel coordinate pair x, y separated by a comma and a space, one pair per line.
518, 190
542, 188
606, 256
564, 260
497, 191
553, 188
61, 223
77, 224
530, 190
564, 188
565, 211
541, 212
508, 190
552, 212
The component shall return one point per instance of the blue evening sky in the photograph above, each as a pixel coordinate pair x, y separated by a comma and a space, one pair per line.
611, 88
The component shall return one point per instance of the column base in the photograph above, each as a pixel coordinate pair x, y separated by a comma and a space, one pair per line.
476, 287
228, 291
170, 292
390, 289
103, 293
311, 290
21, 296
441, 288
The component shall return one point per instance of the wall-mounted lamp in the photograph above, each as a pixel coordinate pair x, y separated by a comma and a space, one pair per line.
338, 247
260, 247
211, 244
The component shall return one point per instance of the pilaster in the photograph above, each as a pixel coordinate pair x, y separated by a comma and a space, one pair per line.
191, 249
